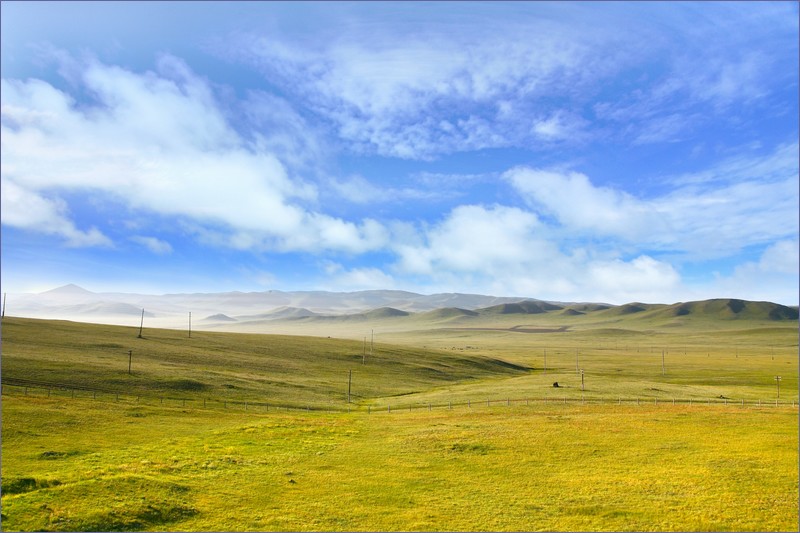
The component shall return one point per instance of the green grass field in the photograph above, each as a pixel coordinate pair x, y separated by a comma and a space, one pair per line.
120, 459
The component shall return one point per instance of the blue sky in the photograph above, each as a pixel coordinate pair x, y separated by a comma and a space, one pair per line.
616, 152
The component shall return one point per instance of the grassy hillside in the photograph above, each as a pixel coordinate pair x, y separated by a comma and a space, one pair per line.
718, 349
137, 464
286, 370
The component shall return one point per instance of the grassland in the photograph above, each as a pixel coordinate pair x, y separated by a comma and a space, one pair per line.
134, 463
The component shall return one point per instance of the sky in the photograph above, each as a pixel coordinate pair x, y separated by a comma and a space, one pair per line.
567, 151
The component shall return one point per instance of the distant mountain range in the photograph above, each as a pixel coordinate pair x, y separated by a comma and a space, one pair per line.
72, 302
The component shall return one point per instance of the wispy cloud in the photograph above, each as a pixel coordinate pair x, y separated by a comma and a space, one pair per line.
414, 97
155, 142
31, 210
724, 215
420, 91
154, 244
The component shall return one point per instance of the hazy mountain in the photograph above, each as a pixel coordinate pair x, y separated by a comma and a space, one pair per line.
171, 310
219, 318
70, 289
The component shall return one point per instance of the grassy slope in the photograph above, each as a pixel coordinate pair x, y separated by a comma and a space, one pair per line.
77, 464
705, 355
285, 370
83, 465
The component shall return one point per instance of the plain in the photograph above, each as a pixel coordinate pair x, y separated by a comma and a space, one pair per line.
448, 428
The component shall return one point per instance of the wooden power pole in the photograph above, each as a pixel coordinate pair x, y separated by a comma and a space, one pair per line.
349, 382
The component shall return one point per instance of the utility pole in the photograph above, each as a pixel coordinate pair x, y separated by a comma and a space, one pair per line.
582, 387
4, 306
349, 382
130, 357
141, 324
778, 381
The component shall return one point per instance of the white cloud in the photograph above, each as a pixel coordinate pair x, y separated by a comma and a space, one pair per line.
578, 204
755, 204
418, 88
358, 190
472, 239
154, 244
357, 279
158, 142
783, 257
29, 210
432, 92
641, 279
773, 277
508, 251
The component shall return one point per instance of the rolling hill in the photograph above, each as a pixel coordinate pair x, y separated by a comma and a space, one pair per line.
272, 308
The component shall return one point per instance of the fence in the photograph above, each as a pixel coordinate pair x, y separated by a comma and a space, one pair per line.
41, 389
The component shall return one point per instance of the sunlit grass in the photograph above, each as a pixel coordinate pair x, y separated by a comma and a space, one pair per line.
401, 460
554, 467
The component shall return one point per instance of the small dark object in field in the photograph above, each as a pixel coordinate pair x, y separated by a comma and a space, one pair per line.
556, 385
292, 481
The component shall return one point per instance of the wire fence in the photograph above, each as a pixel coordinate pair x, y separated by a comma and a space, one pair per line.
40, 389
